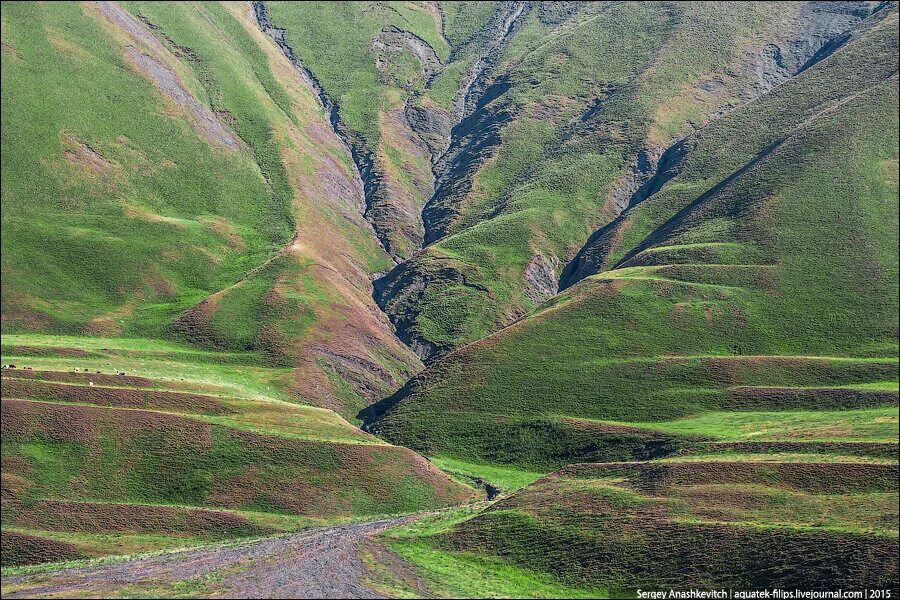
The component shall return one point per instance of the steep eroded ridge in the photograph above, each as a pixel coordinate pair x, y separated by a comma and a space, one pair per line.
819, 30
475, 129
453, 141
363, 162
460, 141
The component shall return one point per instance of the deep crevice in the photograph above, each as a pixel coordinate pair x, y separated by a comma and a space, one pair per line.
363, 161
646, 178
470, 138
452, 168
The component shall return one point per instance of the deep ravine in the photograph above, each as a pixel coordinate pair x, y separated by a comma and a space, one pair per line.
459, 146
363, 162
457, 141
474, 131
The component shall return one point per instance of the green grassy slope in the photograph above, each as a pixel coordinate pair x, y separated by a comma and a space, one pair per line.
580, 100
357, 53
758, 279
186, 185
183, 449
532, 163
122, 212
625, 526
181, 204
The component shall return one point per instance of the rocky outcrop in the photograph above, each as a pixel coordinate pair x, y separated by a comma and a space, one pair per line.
476, 123
474, 140
432, 125
541, 281
640, 171
392, 40
402, 295
818, 31
496, 36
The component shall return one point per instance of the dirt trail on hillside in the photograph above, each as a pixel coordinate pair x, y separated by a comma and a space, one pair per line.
319, 563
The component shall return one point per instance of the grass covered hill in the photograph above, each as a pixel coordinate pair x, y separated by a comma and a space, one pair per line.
186, 447
607, 530
167, 173
575, 112
492, 138
612, 288
761, 276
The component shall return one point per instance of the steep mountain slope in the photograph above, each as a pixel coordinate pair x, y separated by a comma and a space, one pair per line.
370, 61
212, 202
563, 128
647, 251
761, 276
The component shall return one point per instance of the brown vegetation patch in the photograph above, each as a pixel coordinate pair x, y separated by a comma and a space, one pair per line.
877, 449
86, 159
134, 211
223, 228
114, 397
825, 478
23, 549
24, 420
751, 398
47, 351
13, 486
65, 46
90, 517
890, 171
193, 325
733, 370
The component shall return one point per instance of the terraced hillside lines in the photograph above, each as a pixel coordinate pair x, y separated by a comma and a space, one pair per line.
270, 416
735, 287
83, 453
725, 524
678, 400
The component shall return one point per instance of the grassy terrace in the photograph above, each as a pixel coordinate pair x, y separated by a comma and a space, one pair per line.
449, 573
869, 425
605, 530
83, 452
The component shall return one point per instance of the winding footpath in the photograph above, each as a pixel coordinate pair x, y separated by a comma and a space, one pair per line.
322, 562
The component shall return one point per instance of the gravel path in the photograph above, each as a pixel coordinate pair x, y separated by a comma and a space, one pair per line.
318, 563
